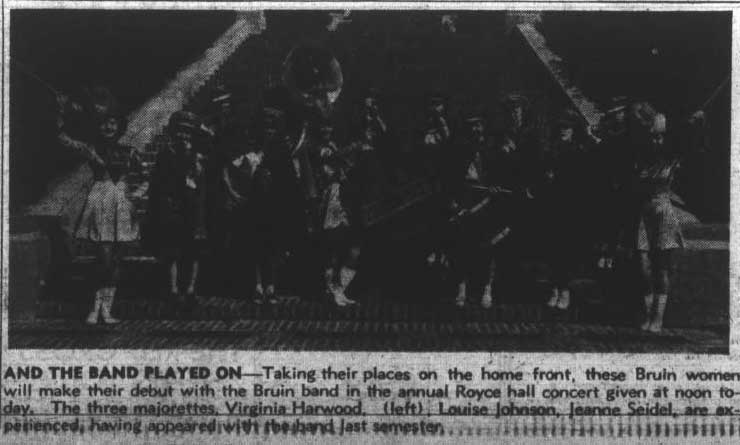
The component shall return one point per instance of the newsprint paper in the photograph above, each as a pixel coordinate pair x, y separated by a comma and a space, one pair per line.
278, 222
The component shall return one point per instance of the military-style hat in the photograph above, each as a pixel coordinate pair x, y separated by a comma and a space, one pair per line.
473, 116
185, 121
512, 100
435, 99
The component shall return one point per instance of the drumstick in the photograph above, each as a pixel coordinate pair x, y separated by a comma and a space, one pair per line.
476, 208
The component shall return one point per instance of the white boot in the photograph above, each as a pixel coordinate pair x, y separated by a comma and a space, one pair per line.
92, 318
656, 325
564, 300
461, 295
649, 298
270, 294
553, 301
330, 285
487, 300
107, 306
431, 259
346, 275
259, 294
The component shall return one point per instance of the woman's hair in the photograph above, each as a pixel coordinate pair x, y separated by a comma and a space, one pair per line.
644, 122
101, 105
121, 120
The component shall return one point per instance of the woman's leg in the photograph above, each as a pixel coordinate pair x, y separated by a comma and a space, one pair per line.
172, 273
458, 275
266, 271
555, 260
551, 258
489, 260
108, 254
331, 273
348, 270
259, 292
647, 280
562, 265
194, 272
661, 277
104, 254
329, 258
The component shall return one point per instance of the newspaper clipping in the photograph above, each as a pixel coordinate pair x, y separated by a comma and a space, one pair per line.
230, 222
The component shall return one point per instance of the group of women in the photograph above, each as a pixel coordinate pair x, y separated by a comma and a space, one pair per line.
269, 180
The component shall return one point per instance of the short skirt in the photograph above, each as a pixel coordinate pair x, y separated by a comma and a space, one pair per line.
659, 228
108, 215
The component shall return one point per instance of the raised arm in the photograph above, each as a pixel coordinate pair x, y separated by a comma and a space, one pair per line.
79, 148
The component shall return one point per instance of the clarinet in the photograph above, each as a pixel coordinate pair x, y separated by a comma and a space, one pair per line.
307, 177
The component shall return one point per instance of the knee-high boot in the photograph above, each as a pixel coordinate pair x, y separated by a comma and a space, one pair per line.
92, 318
107, 306
649, 299
346, 275
656, 325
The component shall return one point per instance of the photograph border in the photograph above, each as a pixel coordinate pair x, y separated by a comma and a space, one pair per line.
98, 355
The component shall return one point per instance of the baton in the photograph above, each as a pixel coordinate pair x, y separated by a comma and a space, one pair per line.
715, 93
28, 72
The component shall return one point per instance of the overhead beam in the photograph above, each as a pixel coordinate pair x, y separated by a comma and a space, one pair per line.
553, 65
150, 119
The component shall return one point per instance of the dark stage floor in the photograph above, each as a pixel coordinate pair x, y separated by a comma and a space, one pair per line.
297, 325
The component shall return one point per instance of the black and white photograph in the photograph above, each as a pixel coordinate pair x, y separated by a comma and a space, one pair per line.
416, 180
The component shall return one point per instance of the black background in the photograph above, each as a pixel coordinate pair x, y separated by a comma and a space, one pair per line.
405, 54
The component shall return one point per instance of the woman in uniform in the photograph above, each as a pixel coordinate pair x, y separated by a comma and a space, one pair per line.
108, 218
659, 230
336, 228
179, 199
479, 227
563, 222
